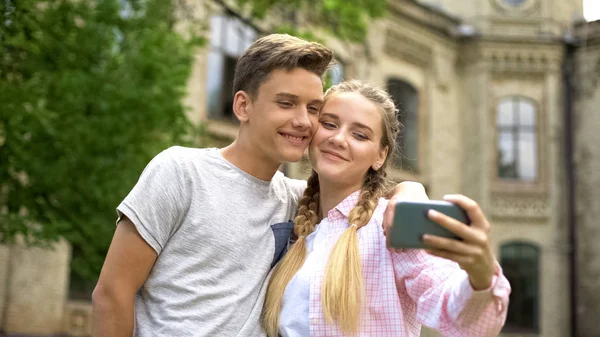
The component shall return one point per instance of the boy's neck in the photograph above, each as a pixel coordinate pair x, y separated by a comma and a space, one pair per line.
331, 194
249, 161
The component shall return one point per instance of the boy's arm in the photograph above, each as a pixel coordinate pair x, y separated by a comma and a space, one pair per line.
148, 216
127, 264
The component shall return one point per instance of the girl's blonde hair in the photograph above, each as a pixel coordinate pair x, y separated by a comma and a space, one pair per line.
343, 289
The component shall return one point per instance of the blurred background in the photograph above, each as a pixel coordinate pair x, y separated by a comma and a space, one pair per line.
500, 100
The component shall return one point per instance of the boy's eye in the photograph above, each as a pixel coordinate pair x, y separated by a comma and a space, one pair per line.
285, 104
313, 109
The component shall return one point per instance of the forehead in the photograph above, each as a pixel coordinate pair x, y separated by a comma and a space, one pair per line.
353, 108
298, 81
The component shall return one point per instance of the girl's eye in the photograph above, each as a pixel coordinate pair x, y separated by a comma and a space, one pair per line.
328, 125
361, 136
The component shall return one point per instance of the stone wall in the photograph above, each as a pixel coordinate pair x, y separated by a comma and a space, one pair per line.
77, 320
4, 274
36, 289
587, 179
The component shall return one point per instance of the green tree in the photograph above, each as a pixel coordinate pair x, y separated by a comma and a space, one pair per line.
345, 19
90, 91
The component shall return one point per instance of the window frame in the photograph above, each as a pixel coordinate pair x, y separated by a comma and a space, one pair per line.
516, 130
518, 186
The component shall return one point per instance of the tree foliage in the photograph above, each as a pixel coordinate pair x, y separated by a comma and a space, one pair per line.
345, 19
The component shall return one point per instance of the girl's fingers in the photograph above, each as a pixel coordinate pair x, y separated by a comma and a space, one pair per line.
451, 245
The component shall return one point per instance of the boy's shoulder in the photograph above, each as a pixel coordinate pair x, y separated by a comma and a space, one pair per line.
179, 163
184, 154
185, 158
297, 186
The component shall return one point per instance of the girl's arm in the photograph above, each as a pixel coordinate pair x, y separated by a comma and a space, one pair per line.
445, 299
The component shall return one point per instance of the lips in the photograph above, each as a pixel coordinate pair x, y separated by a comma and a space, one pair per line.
292, 137
334, 154
297, 139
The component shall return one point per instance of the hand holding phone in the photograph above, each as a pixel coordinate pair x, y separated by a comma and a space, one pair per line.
458, 231
411, 222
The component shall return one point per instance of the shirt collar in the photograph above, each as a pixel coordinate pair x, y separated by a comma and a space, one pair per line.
343, 208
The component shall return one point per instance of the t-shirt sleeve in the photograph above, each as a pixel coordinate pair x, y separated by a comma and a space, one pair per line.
297, 187
158, 202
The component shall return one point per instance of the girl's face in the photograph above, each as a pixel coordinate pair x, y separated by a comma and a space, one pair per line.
348, 140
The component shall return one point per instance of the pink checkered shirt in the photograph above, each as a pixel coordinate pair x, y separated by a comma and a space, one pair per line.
408, 289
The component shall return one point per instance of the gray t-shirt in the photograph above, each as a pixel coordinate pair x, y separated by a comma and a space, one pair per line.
217, 231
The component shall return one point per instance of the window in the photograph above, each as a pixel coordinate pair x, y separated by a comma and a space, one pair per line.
520, 264
229, 38
517, 142
514, 2
406, 98
335, 74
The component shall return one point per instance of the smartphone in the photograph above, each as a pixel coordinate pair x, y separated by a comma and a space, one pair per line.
411, 222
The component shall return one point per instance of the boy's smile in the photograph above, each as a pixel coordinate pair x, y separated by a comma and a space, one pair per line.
295, 138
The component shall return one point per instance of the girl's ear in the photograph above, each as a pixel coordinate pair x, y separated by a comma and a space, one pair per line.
380, 159
242, 106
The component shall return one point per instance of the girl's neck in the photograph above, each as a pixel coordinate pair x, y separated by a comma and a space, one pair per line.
331, 194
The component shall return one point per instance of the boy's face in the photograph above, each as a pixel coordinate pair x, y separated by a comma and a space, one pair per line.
284, 114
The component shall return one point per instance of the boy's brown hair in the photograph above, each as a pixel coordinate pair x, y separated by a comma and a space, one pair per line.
278, 51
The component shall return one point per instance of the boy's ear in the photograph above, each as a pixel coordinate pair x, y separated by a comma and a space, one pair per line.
241, 104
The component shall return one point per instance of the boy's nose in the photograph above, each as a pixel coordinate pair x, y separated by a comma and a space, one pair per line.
301, 120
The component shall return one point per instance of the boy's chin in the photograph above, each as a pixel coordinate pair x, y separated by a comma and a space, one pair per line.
291, 156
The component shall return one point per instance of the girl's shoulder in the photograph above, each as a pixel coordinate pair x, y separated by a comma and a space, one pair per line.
379, 210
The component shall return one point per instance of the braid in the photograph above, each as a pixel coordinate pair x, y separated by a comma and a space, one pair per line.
373, 189
304, 224
343, 287
308, 208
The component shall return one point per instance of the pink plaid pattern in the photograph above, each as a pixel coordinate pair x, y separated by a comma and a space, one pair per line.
408, 289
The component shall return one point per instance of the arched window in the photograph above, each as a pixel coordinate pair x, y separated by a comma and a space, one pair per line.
520, 264
517, 143
406, 98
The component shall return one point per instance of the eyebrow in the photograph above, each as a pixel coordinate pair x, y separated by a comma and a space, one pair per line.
293, 97
360, 125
